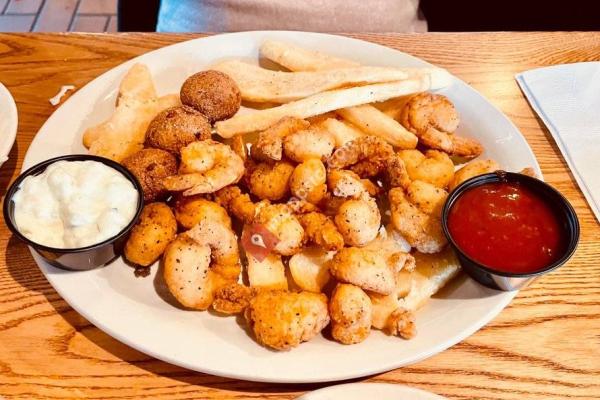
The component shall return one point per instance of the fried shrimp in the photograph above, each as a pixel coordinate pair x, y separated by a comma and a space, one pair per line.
308, 181
307, 144
423, 231
150, 167
433, 118
350, 311
192, 209
269, 145
321, 230
237, 203
427, 197
271, 181
282, 320
472, 169
433, 167
281, 222
206, 167
199, 262
367, 156
358, 220
364, 268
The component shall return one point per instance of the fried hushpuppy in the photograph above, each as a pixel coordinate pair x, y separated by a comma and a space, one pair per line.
150, 167
176, 127
213, 93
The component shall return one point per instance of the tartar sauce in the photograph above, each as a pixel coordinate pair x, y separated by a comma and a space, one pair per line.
74, 204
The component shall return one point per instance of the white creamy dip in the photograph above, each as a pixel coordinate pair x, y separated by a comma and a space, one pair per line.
74, 204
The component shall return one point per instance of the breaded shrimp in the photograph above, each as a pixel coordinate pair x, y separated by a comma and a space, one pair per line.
308, 181
401, 323
344, 183
433, 167
433, 118
367, 156
282, 320
364, 268
269, 145
237, 203
192, 209
221, 240
397, 174
321, 230
271, 181
206, 167
472, 169
422, 231
281, 222
358, 220
427, 197
307, 144
232, 298
350, 311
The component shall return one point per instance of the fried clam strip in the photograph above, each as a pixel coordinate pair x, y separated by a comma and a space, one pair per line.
321, 230
368, 118
237, 203
319, 104
263, 85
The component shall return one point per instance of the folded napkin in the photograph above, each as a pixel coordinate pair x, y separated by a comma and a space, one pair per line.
567, 99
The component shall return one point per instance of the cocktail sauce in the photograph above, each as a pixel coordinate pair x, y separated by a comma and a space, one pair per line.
507, 227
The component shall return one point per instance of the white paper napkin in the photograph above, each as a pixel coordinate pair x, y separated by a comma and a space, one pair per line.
567, 99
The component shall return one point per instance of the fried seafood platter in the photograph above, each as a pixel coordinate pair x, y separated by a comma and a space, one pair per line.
305, 200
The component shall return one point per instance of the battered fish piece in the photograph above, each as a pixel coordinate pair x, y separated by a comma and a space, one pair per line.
150, 167
350, 311
155, 229
176, 127
282, 320
364, 268
433, 167
271, 181
213, 93
191, 210
433, 119
473, 169
321, 230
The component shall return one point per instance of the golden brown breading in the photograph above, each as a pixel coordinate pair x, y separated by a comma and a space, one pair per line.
155, 229
472, 169
308, 144
237, 203
282, 320
232, 298
321, 230
150, 167
358, 220
366, 156
271, 181
213, 93
192, 209
364, 268
433, 167
281, 222
176, 127
308, 181
350, 311
269, 146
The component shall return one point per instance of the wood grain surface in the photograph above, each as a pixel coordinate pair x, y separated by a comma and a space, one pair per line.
544, 345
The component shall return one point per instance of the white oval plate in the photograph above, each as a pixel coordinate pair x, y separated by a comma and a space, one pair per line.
363, 391
8, 123
129, 308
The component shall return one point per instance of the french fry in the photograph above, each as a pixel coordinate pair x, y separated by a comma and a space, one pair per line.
343, 132
268, 273
296, 58
373, 122
318, 104
263, 85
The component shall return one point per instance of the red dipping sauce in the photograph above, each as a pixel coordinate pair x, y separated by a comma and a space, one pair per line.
506, 227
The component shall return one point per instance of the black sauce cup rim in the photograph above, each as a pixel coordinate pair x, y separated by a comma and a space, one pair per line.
503, 176
41, 167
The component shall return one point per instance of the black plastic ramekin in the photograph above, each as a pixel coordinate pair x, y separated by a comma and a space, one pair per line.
508, 281
82, 258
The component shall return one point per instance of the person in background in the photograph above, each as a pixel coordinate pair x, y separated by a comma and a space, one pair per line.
306, 15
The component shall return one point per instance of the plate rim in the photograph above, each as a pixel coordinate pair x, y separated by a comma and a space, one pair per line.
482, 320
7, 145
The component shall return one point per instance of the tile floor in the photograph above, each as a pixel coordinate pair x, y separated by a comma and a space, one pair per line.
58, 15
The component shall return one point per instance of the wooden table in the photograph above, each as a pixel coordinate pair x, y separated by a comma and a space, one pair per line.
546, 344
